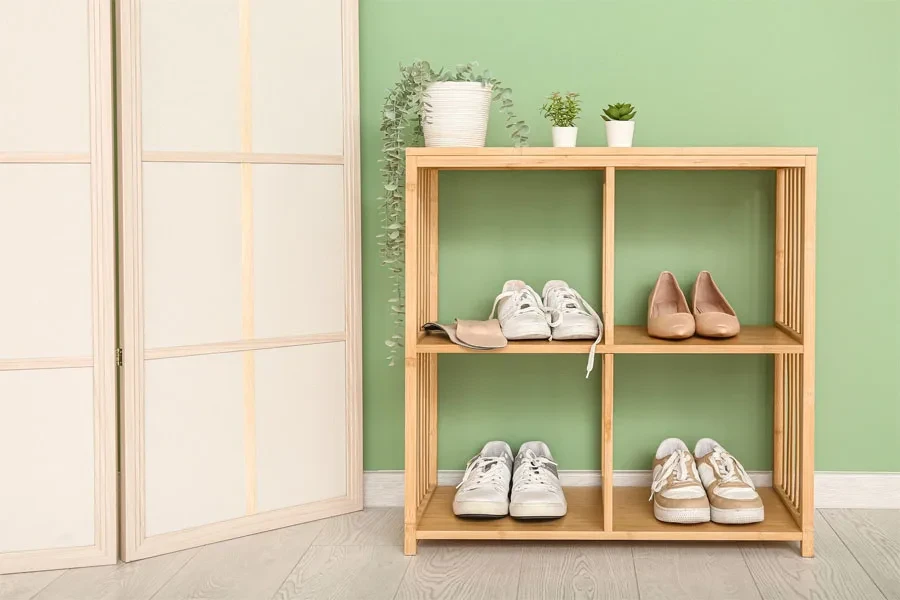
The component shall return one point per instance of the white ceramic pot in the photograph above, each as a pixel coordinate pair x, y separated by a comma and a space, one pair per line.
619, 134
564, 137
458, 115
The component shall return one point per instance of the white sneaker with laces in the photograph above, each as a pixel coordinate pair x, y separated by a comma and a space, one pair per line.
536, 491
572, 317
484, 490
521, 312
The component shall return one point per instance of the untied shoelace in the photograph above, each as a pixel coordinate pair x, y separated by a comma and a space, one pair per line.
567, 299
678, 463
728, 468
481, 470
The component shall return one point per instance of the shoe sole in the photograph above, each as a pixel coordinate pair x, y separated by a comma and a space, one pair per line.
537, 511
514, 334
682, 516
574, 333
480, 510
737, 516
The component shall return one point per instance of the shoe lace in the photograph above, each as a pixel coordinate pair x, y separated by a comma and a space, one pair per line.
481, 471
565, 300
677, 463
526, 301
534, 472
728, 468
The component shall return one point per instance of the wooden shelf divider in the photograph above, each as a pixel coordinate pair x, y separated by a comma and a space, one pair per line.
608, 512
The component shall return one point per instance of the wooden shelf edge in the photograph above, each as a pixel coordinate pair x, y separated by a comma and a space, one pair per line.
632, 339
632, 520
681, 151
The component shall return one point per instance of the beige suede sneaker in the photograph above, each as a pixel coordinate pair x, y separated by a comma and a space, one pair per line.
676, 491
732, 496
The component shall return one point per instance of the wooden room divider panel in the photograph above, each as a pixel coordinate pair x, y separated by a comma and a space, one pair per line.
57, 309
240, 268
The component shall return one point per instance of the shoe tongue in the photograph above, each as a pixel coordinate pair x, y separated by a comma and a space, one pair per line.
513, 285
536, 448
494, 449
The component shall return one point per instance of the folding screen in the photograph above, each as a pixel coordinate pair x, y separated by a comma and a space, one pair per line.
240, 267
57, 301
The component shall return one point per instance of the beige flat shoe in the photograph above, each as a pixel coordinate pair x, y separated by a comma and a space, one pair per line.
714, 316
668, 315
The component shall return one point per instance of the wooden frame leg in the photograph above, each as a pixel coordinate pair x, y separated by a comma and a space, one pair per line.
411, 474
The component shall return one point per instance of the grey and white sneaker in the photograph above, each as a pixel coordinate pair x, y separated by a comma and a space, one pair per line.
521, 312
536, 491
484, 490
572, 318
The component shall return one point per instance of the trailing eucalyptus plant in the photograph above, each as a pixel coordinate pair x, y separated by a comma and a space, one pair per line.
401, 126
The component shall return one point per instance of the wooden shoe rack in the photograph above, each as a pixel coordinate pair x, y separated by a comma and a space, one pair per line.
607, 512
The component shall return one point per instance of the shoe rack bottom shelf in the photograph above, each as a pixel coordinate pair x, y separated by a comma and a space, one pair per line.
632, 520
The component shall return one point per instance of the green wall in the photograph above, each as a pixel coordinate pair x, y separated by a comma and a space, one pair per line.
759, 73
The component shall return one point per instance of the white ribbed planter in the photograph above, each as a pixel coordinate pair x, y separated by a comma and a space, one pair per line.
458, 115
619, 134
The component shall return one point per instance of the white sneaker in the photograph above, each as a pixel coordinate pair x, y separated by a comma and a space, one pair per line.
536, 491
676, 491
521, 312
484, 490
572, 317
732, 496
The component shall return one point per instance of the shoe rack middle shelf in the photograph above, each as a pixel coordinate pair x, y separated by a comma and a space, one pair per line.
630, 339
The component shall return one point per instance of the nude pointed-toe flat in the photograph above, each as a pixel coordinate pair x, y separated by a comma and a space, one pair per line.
668, 315
713, 314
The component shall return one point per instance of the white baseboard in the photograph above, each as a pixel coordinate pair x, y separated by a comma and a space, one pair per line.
834, 489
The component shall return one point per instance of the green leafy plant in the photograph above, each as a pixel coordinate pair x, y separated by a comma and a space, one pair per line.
562, 110
619, 112
401, 126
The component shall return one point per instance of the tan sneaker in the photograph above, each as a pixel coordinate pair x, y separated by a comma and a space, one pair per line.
676, 491
732, 495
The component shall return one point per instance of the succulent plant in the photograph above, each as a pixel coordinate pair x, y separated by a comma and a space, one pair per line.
619, 112
562, 110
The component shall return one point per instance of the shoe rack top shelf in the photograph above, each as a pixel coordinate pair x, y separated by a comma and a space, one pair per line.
633, 339
709, 158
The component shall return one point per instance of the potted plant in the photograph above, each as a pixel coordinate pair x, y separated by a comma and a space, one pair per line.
619, 125
562, 111
443, 108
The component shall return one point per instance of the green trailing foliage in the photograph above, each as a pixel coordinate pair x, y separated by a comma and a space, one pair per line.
562, 110
619, 112
401, 126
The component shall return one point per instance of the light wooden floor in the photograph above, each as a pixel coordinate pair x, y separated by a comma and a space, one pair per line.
358, 557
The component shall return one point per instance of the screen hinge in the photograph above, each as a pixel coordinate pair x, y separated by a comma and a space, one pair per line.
118, 357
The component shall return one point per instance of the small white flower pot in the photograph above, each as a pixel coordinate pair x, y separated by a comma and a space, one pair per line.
564, 137
619, 134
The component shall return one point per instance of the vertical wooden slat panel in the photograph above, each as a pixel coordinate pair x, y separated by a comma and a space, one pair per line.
790, 474
779, 245
778, 422
411, 366
789, 264
432, 387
